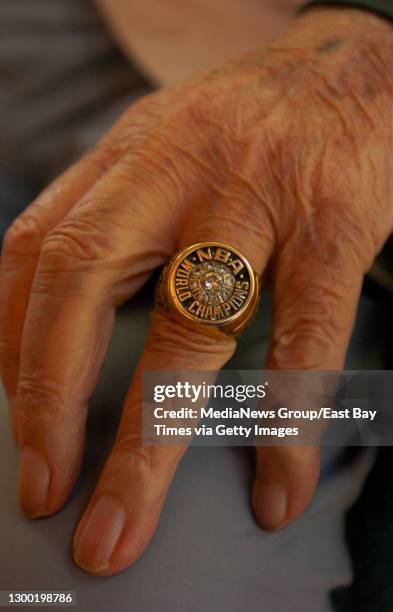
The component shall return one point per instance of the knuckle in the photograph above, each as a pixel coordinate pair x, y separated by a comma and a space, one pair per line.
39, 400
130, 443
308, 348
311, 332
168, 337
24, 237
132, 456
158, 184
144, 461
75, 242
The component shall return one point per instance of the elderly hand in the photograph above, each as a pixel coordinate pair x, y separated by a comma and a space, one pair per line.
286, 154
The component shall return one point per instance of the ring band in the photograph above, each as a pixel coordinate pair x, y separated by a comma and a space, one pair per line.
212, 285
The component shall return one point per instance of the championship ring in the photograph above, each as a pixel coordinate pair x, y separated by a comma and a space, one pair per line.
210, 284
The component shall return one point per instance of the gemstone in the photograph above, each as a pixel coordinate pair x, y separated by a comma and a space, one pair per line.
211, 282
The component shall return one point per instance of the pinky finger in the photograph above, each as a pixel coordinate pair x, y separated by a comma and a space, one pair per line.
314, 311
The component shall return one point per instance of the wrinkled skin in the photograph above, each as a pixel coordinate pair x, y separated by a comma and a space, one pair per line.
286, 154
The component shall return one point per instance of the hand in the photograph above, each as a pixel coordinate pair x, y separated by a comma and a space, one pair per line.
285, 154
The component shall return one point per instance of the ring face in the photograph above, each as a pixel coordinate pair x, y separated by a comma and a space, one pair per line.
211, 283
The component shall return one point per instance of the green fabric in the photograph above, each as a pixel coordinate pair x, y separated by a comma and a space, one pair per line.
380, 7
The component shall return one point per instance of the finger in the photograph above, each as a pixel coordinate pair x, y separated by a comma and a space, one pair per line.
125, 507
98, 256
20, 253
314, 311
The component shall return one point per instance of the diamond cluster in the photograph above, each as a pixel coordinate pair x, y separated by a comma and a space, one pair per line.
211, 282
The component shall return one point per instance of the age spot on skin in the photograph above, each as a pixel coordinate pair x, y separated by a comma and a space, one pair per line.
329, 45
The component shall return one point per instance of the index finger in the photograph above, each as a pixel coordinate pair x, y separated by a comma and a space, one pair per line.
97, 257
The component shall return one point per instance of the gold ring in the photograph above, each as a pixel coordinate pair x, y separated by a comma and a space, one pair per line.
210, 285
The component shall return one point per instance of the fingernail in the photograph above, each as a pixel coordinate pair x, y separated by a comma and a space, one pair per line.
34, 478
272, 505
98, 535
